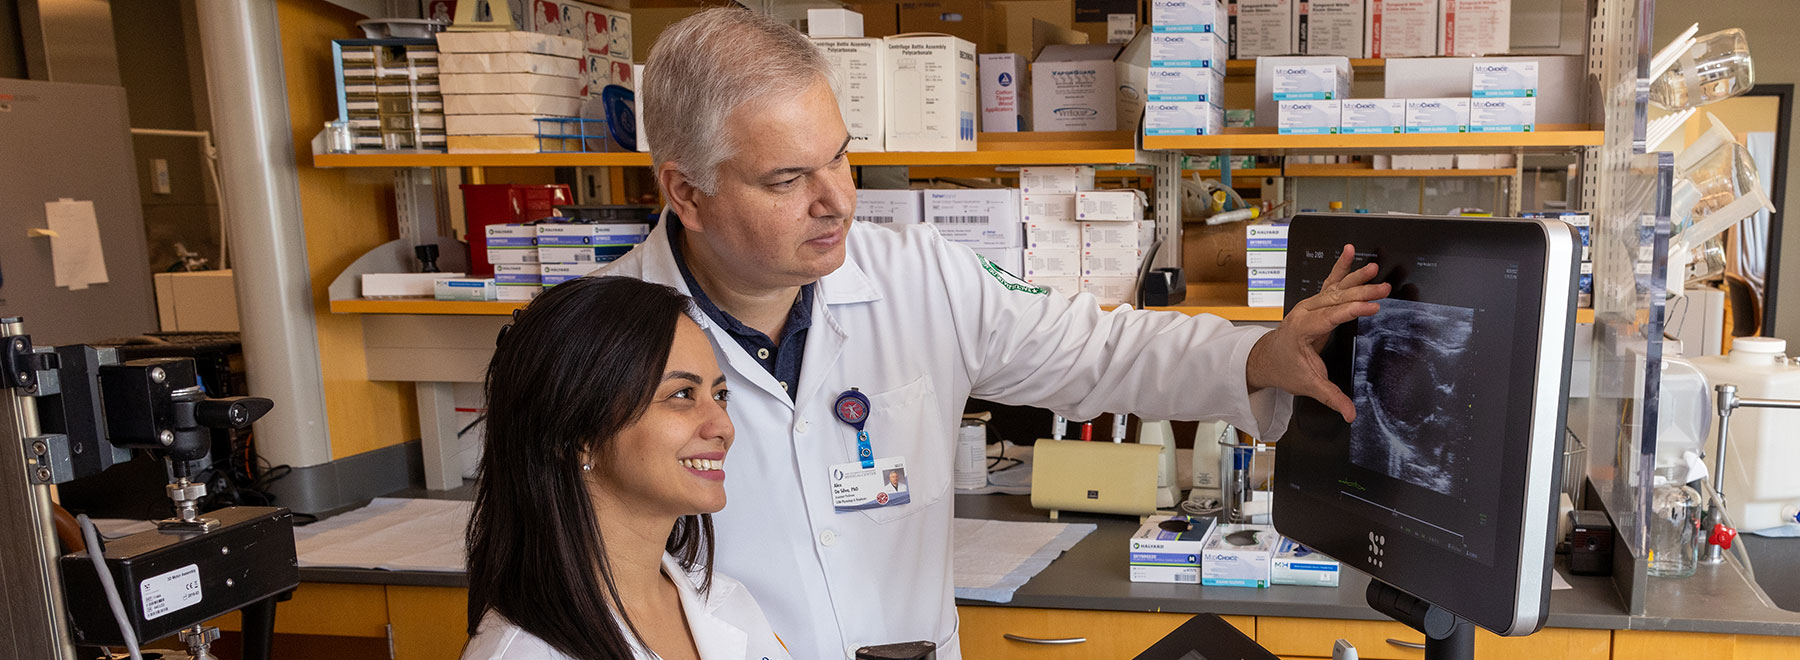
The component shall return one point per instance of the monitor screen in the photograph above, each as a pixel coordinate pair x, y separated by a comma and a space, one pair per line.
1445, 484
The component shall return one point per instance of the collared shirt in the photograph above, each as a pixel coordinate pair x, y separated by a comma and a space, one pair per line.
783, 359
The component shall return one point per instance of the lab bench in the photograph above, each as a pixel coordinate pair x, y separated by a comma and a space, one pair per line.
1085, 593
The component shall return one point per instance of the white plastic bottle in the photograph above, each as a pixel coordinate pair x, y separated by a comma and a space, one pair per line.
1764, 453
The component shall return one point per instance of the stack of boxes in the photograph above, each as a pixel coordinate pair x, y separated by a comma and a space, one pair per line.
530, 257
1185, 90
891, 208
512, 249
1311, 97
498, 84
1308, 93
390, 93
987, 221
1185, 550
1053, 237
1265, 254
1114, 235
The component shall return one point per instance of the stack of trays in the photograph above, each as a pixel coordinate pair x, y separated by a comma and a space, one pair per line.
498, 84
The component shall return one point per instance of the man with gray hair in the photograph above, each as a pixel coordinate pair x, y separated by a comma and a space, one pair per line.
852, 348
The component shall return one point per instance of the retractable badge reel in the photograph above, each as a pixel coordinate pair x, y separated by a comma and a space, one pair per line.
852, 408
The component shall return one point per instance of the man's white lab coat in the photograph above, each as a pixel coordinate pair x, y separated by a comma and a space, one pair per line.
920, 325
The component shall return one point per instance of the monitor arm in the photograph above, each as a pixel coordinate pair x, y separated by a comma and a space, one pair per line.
1447, 636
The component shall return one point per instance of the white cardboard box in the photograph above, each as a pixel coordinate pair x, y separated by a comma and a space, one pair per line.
1052, 262
892, 208
518, 281
1310, 81
511, 244
1267, 279
1187, 16
1562, 82
1372, 116
1402, 28
976, 218
1297, 565
1111, 236
1183, 118
1003, 96
1110, 205
1474, 27
1188, 50
931, 94
1265, 258
1053, 235
1066, 287
1441, 115
1111, 290
383, 285
549, 65
509, 83
1188, 85
1266, 298
834, 23
1503, 115
1330, 27
1308, 117
492, 124
554, 274
1047, 207
1063, 179
856, 63
1075, 88
511, 104
1160, 555
1261, 28
1111, 263
509, 42
464, 289
1496, 78
1224, 562
1265, 79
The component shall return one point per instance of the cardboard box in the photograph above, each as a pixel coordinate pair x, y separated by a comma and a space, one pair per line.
572, 243
554, 274
549, 65
1188, 16
1372, 116
1562, 82
1120, 28
834, 23
1059, 179
1298, 565
1401, 28
1330, 27
1202, 50
463, 289
1227, 562
1160, 555
1297, 82
1268, 279
1265, 245
964, 19
511, 244
931, 93
1047, 207
1503, 79
1266, 298
1112, 236
1183, 118
1052, 262
206, 301
518, 281
1311, 80
1441, 115
511, 104
1212, 253
1111, 290
976, 218
1075, 88
1261, 28
1111, 263
492, 124
1474, 27
510, 42
856, 63
1308, 117
1053, 235
1265, 259
1187, 85
509, 83
1003, 93
388, 285
893, 208
1110, 205
1503, 115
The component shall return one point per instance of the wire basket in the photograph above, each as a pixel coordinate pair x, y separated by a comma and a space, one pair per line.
572, 135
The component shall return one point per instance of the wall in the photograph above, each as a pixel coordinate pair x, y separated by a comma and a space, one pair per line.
347, 213
1770, 26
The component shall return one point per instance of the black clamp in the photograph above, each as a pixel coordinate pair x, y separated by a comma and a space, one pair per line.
19, 363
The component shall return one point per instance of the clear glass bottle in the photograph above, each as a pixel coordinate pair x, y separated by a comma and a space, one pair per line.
1675, 514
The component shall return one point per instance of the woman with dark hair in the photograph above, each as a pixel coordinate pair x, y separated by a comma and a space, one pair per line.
591, 536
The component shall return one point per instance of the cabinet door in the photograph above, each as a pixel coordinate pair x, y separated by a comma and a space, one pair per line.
1654, 644
429, 622
1312, 638
1104, 634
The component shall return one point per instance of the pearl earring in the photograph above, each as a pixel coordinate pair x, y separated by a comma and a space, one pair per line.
587, 467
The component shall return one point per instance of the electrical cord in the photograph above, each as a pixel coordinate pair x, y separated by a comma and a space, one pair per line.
1205, 506
90, 537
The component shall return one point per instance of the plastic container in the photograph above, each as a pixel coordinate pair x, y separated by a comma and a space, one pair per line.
971, 455
1764, 450
504, 203
1715, 68
1675, 512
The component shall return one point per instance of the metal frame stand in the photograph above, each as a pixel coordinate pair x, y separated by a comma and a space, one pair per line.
1447, 636
1729, 402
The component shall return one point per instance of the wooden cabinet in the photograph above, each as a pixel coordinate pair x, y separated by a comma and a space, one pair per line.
1634, 644
1106, 634
1312, 638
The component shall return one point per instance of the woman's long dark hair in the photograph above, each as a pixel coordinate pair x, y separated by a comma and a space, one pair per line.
577, 365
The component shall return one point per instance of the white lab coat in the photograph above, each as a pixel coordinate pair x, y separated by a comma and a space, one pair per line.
725, 622
919, 325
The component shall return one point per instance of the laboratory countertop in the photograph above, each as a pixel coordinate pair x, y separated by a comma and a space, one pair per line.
1093, 576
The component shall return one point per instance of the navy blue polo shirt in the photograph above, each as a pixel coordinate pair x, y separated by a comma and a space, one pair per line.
783, 360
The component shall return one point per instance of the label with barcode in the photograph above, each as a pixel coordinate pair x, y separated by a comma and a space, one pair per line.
962, 219
1184, 577
170, 591
877, 219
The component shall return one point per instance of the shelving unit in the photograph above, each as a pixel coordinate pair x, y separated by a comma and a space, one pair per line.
1362, 171
1264, 141
1364, 67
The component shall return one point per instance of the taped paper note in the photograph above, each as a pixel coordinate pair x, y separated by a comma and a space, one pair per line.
75, 244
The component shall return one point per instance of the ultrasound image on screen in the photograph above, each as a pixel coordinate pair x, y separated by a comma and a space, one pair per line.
1414, 412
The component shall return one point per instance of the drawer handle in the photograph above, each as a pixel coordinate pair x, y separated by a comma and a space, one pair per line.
1410, 645
1034, 640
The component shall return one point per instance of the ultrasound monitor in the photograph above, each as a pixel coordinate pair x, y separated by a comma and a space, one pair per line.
1444, 488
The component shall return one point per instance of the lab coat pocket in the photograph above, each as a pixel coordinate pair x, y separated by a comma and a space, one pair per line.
904, 421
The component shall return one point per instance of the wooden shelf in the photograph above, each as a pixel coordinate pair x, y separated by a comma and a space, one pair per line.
1266, 141
1362, 170
1364, 67
425, 306
626, 159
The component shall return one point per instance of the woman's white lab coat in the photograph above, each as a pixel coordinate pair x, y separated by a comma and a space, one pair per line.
919, 325
725, 622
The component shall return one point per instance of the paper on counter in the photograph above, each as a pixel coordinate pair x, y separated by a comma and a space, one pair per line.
390, 533
993, 558
75, 244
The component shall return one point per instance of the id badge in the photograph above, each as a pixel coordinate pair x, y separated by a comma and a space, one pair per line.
856, 488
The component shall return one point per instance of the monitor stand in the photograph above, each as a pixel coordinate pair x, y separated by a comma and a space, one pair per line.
1447, 636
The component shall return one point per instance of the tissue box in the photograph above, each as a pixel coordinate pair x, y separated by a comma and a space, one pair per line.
1058, 180
1298, 565
890, 207
1504, 78
1110, 206
1159, 555
1190, 85
1308, 117
1503, 115
1187, 15
1446, 115
1372, 116
464, 289
1315, 80
1226, 563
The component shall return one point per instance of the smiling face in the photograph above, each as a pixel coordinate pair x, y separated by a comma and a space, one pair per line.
784, 201
670, 462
